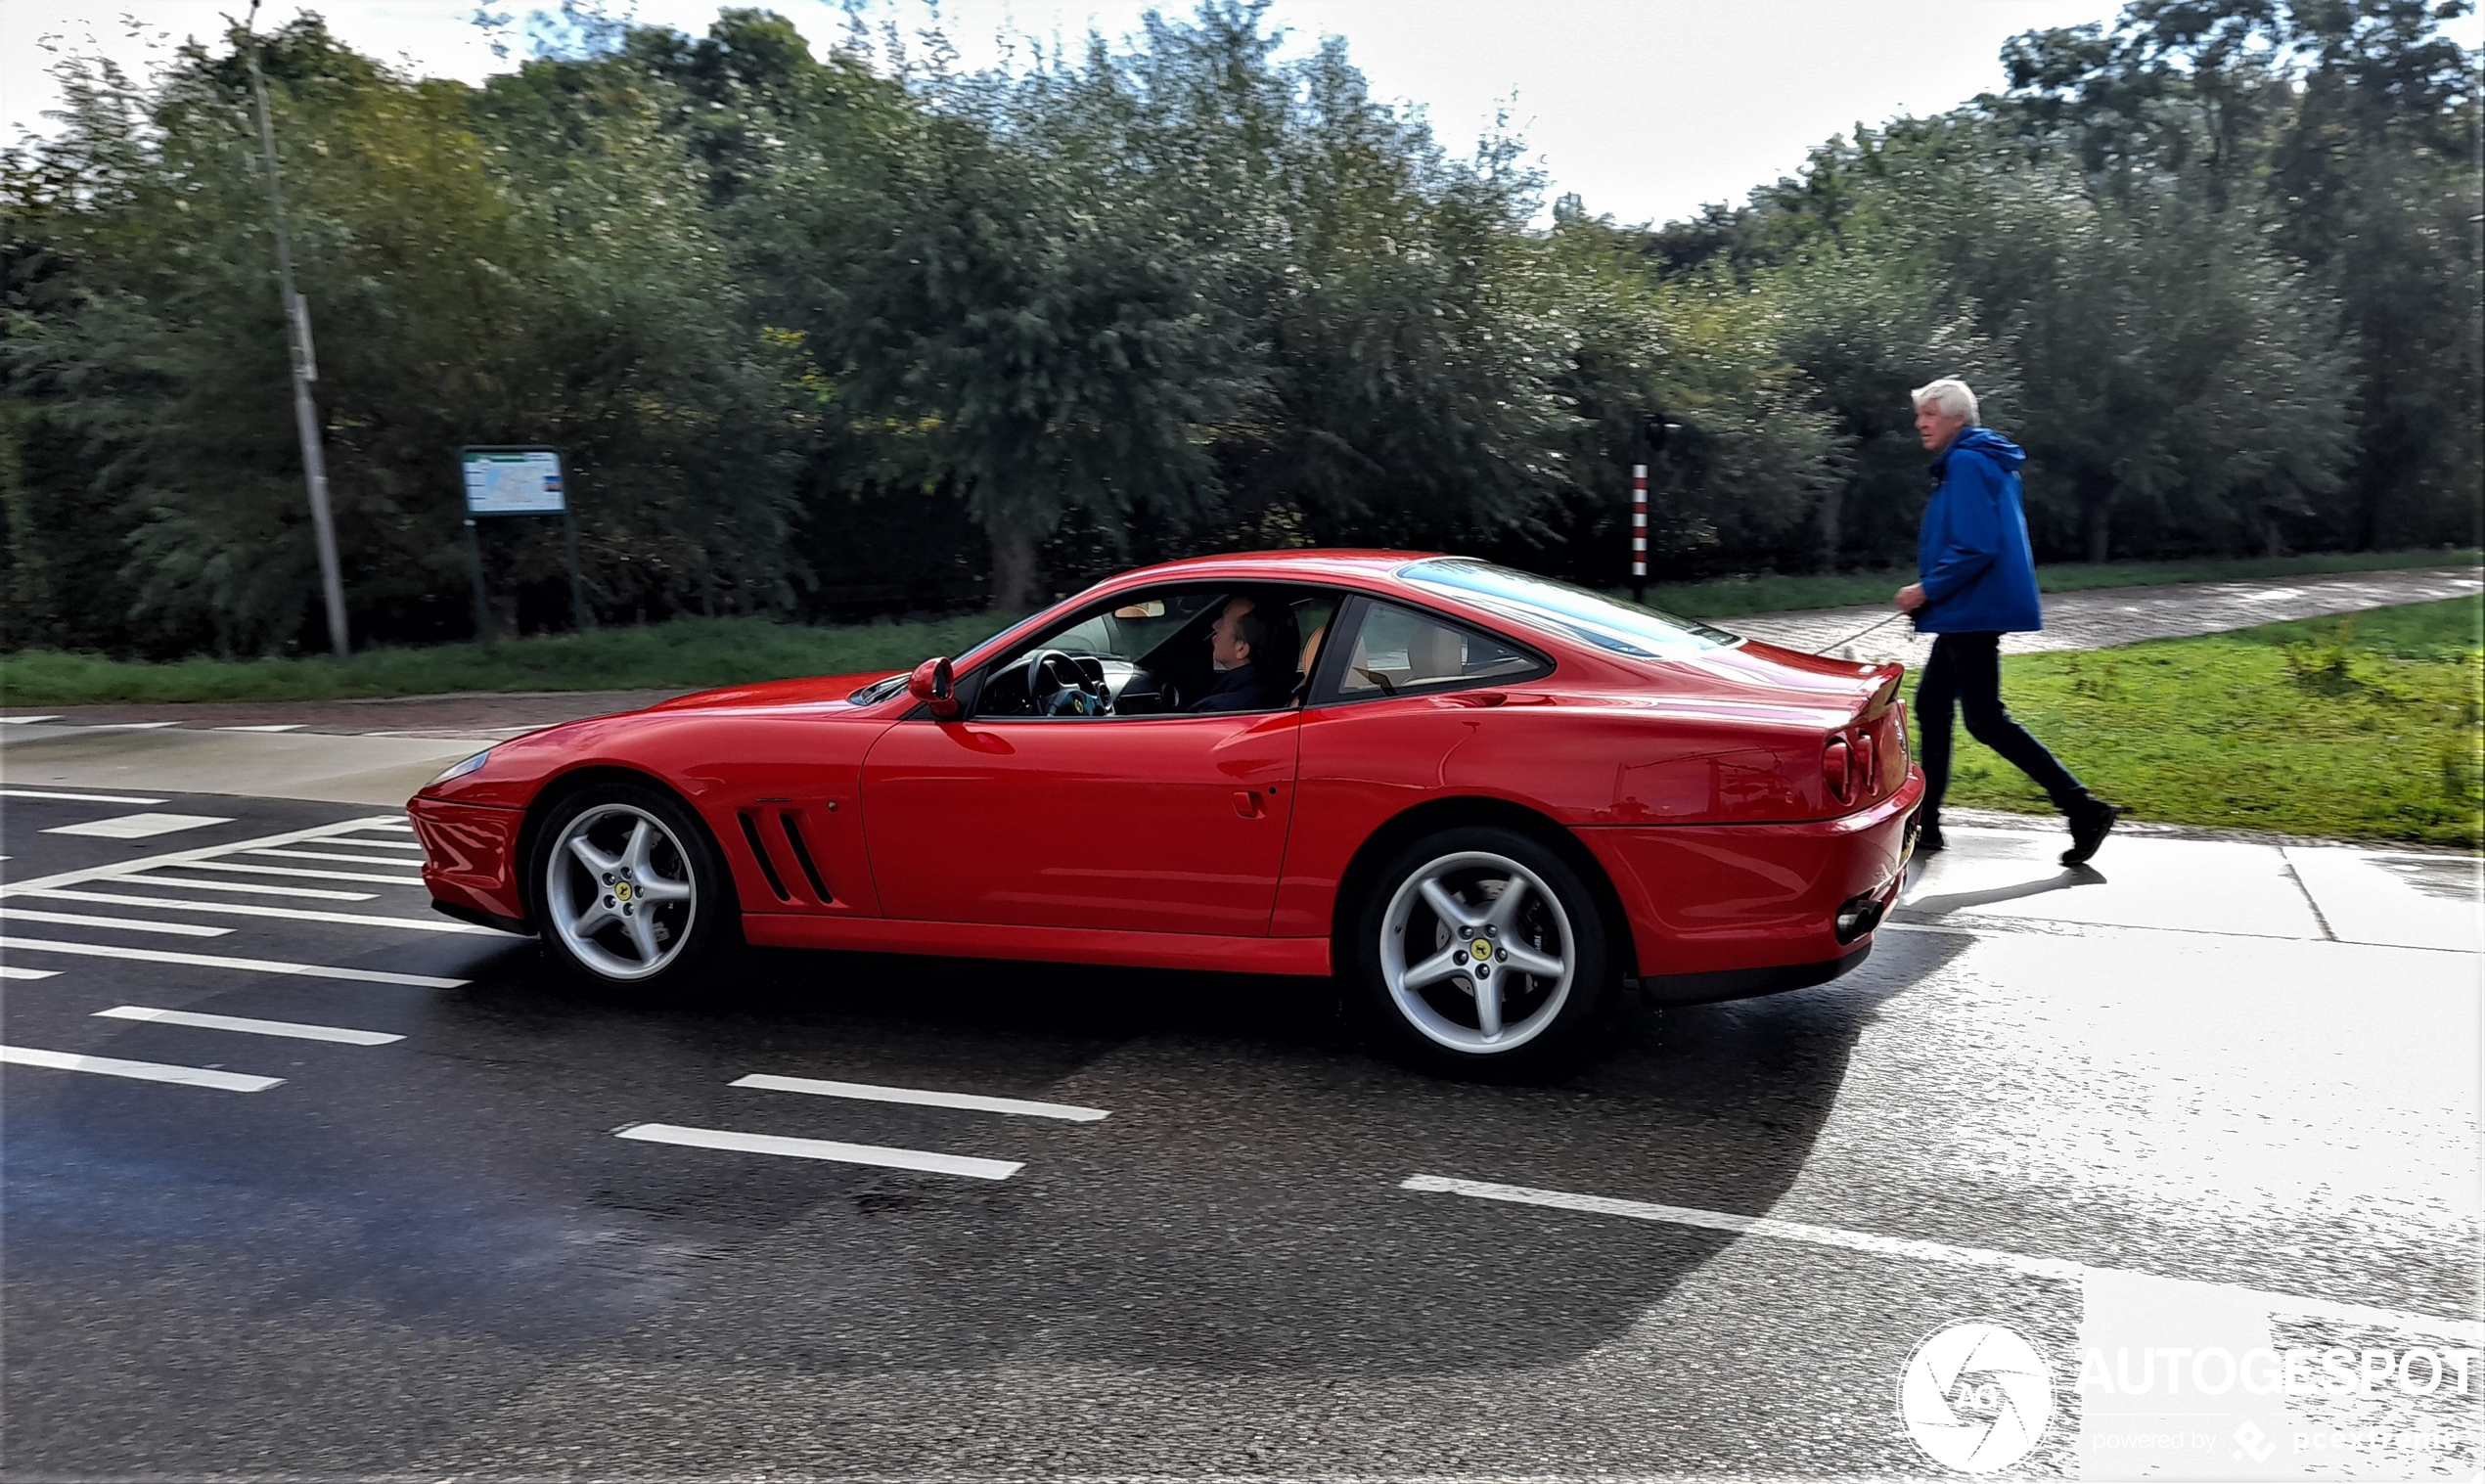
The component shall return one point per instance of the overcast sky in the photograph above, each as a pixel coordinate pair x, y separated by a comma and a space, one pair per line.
1645, 107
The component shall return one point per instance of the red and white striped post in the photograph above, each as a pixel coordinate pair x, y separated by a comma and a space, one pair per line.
1638, 533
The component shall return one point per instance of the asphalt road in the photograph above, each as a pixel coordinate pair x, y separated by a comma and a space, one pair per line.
2207, 1092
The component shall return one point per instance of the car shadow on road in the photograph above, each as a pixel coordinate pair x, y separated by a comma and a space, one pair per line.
1240, 1210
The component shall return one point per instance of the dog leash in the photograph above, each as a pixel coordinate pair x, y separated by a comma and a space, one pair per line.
1878, 623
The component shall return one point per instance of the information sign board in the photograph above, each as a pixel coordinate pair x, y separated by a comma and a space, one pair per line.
513, 481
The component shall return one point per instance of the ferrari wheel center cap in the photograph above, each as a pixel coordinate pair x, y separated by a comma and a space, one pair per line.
1480, 947
621, 891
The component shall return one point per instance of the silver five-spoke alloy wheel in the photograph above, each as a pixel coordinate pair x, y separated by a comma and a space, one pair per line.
1478, 953
620, 890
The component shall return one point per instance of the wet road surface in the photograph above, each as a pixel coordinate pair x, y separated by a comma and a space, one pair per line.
303, 1179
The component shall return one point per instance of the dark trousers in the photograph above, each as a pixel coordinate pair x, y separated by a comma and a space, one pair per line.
1965, 670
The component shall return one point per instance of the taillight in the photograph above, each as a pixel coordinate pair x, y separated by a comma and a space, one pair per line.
1837, 769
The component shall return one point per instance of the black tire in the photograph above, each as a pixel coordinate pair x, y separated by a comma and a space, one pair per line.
1438, 1026
690, 938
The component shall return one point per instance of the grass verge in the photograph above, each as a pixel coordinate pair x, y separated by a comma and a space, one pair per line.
1772, 593
2371, 726
693, 653
686, 653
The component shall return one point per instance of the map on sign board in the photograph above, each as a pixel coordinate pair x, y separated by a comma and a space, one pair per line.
515, 481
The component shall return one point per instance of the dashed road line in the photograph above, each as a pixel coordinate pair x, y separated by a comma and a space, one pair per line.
2466, 1331
412, 845
255, 889
300, 873
282, 725
15, 914
331, 855
200, 855
870, 1093
291, 1029
24, 721
74, 799
820, 1149
253, 909
138, 827
20, 971
214, 961
144, 1071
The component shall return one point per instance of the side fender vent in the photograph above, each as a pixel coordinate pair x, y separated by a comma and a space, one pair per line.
802, 855
759, 852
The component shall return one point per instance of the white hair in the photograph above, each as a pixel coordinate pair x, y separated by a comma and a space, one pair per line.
1948, 396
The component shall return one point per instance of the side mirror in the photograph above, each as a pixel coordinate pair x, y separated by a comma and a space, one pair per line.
935, 682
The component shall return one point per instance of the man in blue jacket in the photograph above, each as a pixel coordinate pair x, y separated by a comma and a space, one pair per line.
1977, 581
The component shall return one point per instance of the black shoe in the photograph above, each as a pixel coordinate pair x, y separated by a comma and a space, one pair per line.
2088, 823
1928, 840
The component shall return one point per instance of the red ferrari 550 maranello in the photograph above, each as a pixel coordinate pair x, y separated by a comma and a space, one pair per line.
1482, 798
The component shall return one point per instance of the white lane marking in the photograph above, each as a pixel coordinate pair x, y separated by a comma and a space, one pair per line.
255, 889
15, 914
375, 844
127, 726
212, 960
137, 827
870, 1093
144, 1071
196, 854
21, 721
820, 1149
298, 873
2465, 1331
331, 855
76, 798
293, 1030
285, 726
20, 972
254, 910
400, 827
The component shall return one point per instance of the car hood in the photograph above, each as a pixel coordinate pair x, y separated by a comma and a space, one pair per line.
807, 691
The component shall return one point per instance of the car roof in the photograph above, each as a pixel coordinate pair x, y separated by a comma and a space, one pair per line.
1302, 565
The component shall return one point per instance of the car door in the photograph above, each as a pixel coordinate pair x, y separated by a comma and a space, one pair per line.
1153, 824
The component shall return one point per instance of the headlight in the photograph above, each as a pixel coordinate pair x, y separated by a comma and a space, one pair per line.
460, 769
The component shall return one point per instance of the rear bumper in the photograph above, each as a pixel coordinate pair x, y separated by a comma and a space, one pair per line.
469, 861
1738, 900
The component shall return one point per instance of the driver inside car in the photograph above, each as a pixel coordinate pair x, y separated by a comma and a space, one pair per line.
1255, 662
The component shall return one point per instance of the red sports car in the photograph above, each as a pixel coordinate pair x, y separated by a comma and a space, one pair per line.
1482, 797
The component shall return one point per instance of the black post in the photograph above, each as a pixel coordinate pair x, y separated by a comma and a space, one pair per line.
482, 607
577, 589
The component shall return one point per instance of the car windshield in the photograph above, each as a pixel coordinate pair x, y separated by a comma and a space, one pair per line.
1558, 607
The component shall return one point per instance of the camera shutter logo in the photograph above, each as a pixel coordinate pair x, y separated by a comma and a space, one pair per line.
1976, 1396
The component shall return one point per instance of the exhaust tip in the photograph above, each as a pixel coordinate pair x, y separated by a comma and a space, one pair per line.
1859, 915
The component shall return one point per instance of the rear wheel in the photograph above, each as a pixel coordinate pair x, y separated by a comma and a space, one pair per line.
1481, 953
630, 892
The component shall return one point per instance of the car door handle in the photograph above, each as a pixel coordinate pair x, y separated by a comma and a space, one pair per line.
1248, 804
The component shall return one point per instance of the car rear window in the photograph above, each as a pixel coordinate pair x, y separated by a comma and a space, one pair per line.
1558, 608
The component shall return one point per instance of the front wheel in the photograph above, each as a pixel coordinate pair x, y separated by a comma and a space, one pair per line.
630, 890
1480, 953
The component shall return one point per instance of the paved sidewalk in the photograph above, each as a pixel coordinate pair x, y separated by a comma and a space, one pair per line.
2108, 616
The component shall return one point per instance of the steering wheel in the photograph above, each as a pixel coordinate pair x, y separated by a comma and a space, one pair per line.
1043, 663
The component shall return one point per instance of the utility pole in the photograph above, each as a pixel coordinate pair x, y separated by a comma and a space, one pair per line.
305, 366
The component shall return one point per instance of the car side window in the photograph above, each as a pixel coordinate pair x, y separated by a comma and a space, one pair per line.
1396, 651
